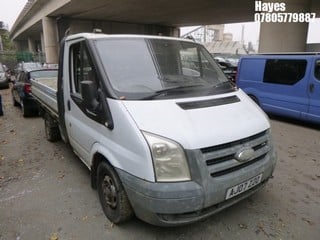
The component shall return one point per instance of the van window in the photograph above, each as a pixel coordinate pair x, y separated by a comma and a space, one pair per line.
284, 71
81, 66
317, 70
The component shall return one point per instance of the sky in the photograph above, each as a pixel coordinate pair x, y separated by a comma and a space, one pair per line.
10, 10
252, 31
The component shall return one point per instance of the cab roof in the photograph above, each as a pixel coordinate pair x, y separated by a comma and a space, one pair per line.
94, 36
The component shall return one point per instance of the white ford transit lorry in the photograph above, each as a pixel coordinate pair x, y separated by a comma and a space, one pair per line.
165, 135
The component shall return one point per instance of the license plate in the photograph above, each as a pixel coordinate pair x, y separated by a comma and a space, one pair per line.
242, 187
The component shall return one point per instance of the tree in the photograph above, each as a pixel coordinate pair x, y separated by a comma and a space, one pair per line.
6, 42
8, 53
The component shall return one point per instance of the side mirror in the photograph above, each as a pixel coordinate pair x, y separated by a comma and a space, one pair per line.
97, 109
89, 95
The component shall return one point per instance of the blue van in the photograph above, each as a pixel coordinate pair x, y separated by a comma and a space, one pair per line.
283, 84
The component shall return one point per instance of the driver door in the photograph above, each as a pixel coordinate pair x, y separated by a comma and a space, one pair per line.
82, 130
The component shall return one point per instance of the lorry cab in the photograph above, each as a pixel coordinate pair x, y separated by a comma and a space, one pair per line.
153, 119
283, 84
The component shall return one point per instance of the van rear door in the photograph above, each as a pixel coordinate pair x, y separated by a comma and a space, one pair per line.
314, 92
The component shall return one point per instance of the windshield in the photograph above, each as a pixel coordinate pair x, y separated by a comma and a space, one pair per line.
140, 68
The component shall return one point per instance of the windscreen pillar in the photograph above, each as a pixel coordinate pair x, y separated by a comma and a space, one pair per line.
50, 39
285, 37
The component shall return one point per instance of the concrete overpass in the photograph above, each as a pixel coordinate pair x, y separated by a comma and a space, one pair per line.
43, 23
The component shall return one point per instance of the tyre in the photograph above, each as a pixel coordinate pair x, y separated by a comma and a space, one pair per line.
113, 198
15, 103
51, 129
25, 109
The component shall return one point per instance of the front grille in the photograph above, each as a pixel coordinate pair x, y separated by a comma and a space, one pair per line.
232, 144
232, 169
221, 160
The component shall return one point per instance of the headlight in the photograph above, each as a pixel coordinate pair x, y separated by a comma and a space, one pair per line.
169, 160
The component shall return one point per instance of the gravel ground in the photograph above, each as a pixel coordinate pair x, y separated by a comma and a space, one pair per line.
45, 191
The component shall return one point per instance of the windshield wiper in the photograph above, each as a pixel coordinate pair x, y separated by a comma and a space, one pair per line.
165, 91
221, 84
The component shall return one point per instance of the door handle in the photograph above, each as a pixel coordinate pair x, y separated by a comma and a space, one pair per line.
69, 105
311, 87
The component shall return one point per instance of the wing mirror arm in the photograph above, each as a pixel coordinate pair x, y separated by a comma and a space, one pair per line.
107, 116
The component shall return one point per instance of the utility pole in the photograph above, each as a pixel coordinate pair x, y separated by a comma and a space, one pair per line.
205, 34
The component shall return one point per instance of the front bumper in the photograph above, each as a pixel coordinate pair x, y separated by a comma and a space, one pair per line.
170, 204
173, 204
151, 201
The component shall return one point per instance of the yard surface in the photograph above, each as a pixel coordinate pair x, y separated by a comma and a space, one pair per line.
45, 191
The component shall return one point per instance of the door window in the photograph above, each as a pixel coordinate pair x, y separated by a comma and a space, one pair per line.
284, 71
81, 67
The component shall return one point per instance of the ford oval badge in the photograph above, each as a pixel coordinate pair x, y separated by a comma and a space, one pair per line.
244, 154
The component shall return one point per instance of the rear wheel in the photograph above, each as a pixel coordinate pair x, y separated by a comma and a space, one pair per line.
15, 103
51, 129
25, 109
113, 198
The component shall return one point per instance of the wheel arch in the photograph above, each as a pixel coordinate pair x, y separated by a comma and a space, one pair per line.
254, 98
253, 93
98, 154
96, 160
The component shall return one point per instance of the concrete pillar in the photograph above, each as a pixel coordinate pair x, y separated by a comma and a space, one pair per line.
31, 45
285, 37
50, 39
42, 42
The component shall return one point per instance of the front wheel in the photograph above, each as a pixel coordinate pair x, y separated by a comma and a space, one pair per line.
113, 198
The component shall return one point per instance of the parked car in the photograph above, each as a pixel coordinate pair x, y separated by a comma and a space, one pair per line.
228, 67
283, 84
4, 83
21, 90
10, 75
27, 66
